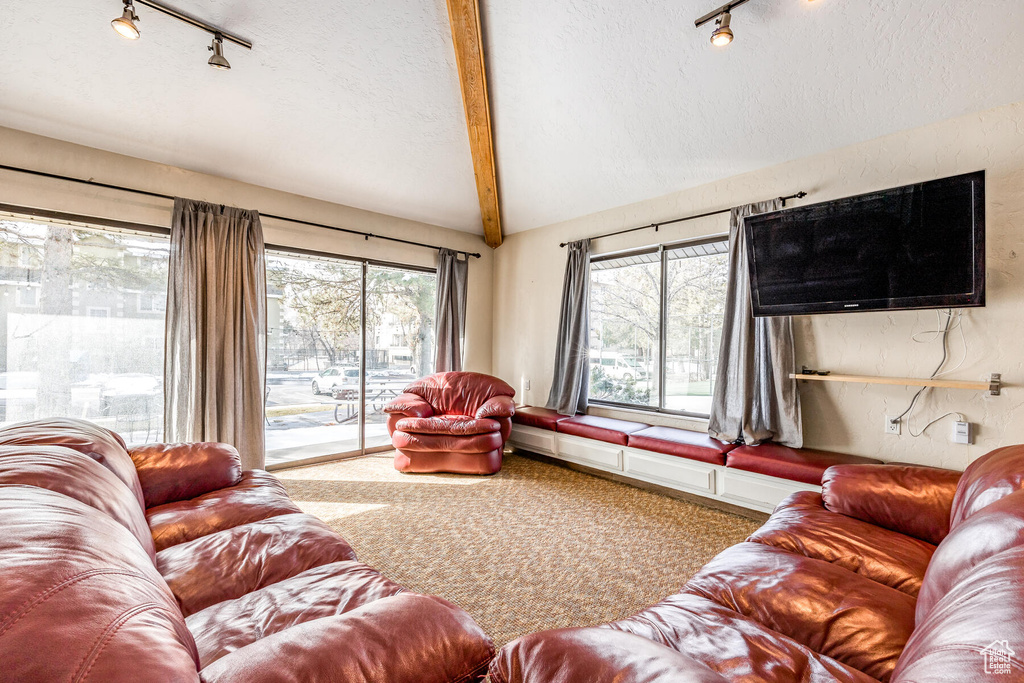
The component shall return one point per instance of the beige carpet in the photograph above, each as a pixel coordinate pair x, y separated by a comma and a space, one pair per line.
536, 546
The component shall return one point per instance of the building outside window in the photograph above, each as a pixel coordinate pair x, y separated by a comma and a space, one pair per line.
58, 355
655, 326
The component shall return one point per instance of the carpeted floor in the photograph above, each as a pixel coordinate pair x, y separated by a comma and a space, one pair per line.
534, 547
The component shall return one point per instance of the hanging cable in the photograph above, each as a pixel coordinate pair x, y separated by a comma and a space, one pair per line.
954, 321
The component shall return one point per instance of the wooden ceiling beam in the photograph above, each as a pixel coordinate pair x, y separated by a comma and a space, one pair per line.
464, 17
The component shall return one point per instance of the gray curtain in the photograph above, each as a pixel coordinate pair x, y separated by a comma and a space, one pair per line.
754, 398
452, 274
215, 354
571, 379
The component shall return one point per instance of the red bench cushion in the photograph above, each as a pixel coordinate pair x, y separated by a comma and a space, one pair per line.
541, 418
600, 428
797, 464
681, 442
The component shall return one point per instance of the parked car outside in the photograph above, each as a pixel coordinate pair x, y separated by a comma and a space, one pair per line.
332, 379
617, 367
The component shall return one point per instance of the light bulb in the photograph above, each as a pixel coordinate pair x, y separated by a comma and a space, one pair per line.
125, 24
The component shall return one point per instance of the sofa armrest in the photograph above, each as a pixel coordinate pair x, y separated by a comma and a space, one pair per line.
912, 500
406, 638
171, 472
595, 655
410, 405
498, 406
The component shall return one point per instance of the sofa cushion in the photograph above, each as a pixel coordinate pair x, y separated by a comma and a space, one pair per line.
324, 591
909, 499
986, 480
170, 472
797, 464
541, 418
102, 445
230, 563
259, 495
597, 655
734, 645
802, 525
78, 476
681, 442
447, 443
457, 425
831, 610
600, 428
405, 638
993, 529
81, 599
982, 612
459, 392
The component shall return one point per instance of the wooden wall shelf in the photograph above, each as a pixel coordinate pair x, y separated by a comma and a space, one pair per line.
992, 386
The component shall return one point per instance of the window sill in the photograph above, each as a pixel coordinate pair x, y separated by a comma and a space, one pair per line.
663, 418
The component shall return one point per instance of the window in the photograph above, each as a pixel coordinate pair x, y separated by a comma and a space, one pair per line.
315, 331
66, 346
152, 302
659, 302
28, 297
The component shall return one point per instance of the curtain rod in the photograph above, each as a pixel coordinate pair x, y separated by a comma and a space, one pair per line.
364, 235
798, 195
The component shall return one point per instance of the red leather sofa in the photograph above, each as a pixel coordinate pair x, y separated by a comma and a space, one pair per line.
451, 422
893, 573
168, 563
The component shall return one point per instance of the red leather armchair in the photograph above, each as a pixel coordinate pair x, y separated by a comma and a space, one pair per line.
451, 422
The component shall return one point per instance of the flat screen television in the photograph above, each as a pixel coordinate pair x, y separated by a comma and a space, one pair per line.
918, 246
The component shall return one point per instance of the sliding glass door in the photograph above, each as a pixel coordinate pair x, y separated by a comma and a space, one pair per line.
399, 339
313, 357
343, 338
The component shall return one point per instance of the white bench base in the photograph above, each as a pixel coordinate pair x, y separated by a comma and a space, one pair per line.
716, 482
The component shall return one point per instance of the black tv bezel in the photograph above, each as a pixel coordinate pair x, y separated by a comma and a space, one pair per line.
975, 298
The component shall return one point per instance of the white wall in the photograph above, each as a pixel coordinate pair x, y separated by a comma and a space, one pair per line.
530, 265
53, 156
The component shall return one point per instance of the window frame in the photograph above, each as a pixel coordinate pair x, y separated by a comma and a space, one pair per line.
662, 250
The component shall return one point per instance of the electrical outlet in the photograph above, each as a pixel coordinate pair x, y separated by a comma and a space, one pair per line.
892, 425
963, 432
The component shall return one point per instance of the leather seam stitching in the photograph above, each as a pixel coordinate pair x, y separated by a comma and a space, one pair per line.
108, 635
48, 593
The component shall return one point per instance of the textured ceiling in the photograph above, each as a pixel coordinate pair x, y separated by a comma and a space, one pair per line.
601, 103
596, 103
351, 101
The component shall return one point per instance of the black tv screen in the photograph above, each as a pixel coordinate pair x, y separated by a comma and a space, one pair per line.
918, 246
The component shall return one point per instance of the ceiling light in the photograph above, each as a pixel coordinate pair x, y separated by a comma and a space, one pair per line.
722, 35
217, 61
125, 24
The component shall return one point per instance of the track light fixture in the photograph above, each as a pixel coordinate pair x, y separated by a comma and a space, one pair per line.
722, 35
217, 61
125, 26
